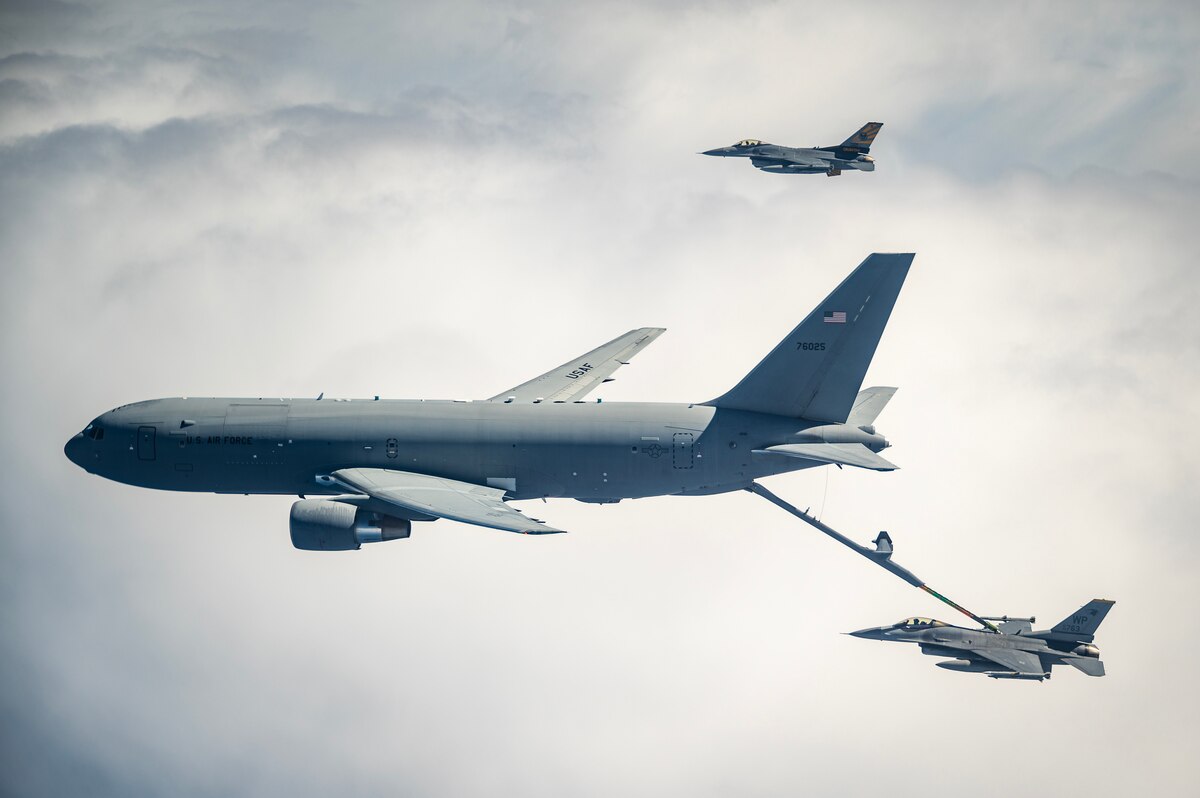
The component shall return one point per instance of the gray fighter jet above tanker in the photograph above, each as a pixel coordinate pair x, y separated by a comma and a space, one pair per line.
1014, 651
831, 160
381, 465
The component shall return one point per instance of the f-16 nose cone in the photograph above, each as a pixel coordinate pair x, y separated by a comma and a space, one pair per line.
874, 633
718, 151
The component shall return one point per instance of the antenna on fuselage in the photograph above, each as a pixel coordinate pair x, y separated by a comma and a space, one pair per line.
320, 396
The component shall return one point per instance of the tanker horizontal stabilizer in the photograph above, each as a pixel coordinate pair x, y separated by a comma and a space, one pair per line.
851, 454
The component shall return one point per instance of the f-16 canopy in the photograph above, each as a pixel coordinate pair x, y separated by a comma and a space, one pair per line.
911, 624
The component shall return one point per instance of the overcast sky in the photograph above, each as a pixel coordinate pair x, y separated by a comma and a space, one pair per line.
440, 200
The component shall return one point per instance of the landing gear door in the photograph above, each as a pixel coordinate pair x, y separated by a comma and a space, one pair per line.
145, 443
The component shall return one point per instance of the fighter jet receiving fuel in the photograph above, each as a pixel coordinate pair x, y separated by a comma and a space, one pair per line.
850, 154
387, 463
1013, 652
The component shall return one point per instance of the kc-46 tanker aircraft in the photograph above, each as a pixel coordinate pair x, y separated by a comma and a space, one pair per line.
387, 463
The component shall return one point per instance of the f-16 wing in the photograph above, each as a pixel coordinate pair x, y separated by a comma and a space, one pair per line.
576, 378
793, 159
1012, 659
439, 497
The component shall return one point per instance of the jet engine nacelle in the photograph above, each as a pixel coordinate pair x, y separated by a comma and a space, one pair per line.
1086, 650
322, 525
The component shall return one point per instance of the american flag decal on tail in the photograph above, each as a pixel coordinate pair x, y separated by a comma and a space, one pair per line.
835, 317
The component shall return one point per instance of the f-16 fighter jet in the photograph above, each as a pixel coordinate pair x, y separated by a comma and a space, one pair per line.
1014, 652
384, 464
850, 154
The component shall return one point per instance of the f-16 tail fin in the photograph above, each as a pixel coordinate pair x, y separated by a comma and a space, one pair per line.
861, 141
1083, 623
816, 371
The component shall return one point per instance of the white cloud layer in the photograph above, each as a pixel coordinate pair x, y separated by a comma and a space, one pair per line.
438, 200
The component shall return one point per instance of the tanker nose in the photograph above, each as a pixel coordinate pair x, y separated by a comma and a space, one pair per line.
74, 449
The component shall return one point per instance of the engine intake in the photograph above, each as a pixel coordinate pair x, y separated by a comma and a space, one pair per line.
322, 525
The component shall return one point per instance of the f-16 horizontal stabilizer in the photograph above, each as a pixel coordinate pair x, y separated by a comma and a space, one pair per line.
1092, 667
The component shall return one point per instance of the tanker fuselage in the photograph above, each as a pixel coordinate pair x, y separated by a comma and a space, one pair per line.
593, 451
